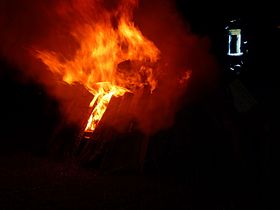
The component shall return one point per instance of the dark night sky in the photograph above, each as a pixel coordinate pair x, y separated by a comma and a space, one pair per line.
37, 113
222, 145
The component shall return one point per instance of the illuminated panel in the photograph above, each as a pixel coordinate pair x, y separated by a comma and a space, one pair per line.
234, 42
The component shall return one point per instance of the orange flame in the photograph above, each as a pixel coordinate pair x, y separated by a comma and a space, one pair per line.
112, 59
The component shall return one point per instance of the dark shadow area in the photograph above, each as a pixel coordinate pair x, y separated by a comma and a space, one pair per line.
28, 114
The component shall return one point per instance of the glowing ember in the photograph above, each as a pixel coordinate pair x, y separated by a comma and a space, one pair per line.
113, 58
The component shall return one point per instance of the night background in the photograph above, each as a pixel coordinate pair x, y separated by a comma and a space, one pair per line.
219, 154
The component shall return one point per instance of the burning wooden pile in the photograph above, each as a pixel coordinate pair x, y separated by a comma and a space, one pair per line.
111, 149
112, 81
113, 59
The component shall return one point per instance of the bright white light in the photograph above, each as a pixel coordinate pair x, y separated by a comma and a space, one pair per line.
235, 54
234, 43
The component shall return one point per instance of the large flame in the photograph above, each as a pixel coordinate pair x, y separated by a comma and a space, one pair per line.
113, 58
